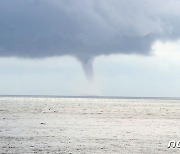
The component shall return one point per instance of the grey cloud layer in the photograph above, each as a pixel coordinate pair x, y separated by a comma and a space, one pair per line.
85, 28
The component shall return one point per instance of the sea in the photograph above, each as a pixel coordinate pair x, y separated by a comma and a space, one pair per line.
89, 124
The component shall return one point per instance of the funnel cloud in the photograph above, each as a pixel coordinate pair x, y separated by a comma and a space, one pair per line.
85, 28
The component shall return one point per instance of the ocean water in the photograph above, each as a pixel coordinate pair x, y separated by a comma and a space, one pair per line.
47, 124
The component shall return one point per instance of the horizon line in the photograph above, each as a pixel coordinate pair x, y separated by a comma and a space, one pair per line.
94, 96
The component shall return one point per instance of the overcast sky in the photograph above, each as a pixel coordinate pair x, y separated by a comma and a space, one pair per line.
90, 47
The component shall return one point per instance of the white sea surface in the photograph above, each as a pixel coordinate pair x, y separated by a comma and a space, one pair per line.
78, 125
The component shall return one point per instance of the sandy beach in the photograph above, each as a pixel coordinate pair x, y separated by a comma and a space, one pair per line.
88, 125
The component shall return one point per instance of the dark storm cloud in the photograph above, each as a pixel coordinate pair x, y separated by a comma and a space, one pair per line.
85, 28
